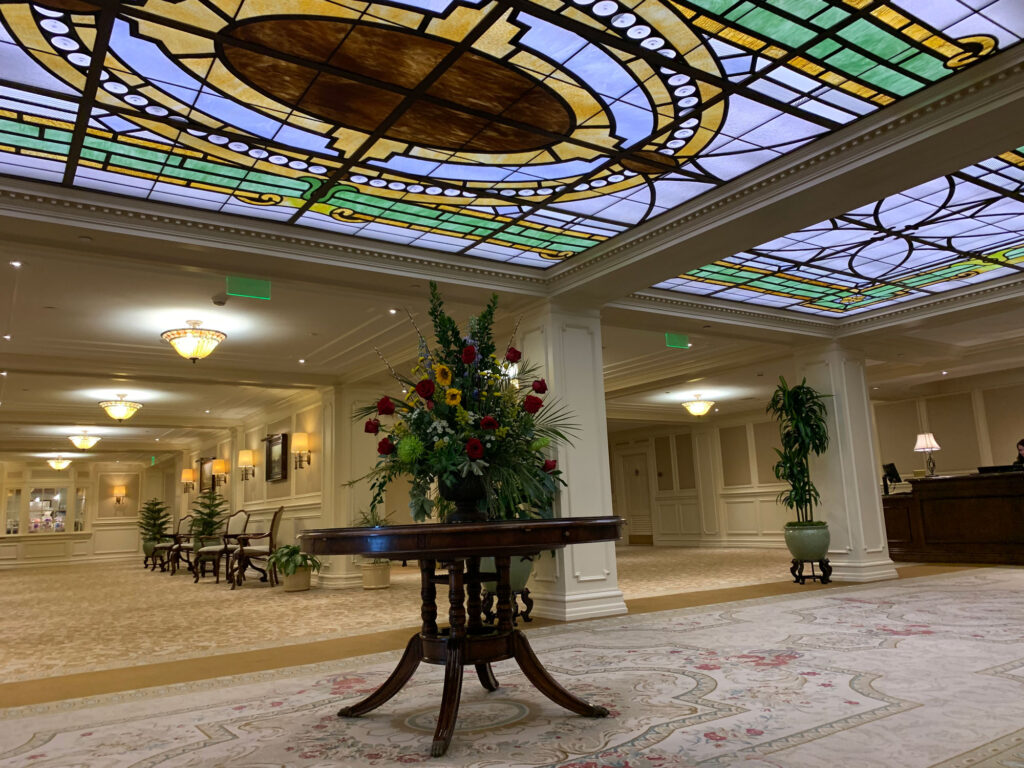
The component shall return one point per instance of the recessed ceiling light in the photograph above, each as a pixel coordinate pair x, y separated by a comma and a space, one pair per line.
7, 337
874, 387
207, 410
302, 361
392, 311
945, 373
3, 373
15, 264
716, 410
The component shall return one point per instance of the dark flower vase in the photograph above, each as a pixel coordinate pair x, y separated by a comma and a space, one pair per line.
466, 494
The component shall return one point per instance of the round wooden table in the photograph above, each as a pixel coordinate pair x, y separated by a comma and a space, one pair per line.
458, 548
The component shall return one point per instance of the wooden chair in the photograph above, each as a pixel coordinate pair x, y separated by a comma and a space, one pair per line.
230, 540
247, 552
170, 549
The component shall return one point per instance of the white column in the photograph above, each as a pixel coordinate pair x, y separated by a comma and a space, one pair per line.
846, 475
581, 581
348, 454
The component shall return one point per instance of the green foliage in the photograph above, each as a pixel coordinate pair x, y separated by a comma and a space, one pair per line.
472, 421
806, 524
154, 520
803, 430
208, 513
372, 518
288, 558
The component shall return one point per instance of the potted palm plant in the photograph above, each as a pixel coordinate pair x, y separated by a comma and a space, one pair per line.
803, 429
153, 522
377, 570
295, 565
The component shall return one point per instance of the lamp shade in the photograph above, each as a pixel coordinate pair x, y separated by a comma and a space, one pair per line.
220, 467
194, 342
119, 491
84, 441
300, 442
246, 459
188, 475
926, 442
120, 409
698, 407
59, 463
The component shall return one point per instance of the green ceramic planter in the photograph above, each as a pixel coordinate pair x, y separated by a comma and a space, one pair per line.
519, 571
807, 542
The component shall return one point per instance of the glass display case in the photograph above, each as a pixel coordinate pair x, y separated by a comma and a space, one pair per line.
12, 511
47, 510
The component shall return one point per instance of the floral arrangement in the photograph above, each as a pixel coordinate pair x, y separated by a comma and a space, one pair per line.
465, 422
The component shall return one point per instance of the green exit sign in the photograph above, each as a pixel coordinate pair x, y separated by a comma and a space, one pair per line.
152, 461
248, 287
677, 340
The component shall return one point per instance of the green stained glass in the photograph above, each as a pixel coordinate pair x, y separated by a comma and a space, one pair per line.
783, 30
830, 18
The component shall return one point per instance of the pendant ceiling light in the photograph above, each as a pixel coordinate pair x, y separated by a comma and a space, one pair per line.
698, 407
59, 463
193, 342
84, 441
120, 409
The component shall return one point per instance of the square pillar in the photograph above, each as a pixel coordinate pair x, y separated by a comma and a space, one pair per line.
846, 475
580, 581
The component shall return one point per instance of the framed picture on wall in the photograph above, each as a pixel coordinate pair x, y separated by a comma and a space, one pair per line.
205, 474
277, 457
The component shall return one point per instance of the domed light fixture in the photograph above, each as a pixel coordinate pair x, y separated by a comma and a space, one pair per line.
59, 463
193, 342
84, 441
120, 409
698, 407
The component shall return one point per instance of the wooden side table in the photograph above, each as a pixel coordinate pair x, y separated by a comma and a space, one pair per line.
457, 549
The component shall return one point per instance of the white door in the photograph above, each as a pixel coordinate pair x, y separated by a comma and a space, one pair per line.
636, 486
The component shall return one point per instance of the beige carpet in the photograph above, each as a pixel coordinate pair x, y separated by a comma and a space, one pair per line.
105, 616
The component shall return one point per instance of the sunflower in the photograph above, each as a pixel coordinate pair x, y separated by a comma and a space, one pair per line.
443, 374
453, 397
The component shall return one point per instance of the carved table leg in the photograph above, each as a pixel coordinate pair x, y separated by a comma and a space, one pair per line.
528, 602
454, 663
473, 623
410, 660
488, 607
487, 678
541, 680
428, 596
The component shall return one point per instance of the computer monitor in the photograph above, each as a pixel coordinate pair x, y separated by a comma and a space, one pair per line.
889, 475
998, 468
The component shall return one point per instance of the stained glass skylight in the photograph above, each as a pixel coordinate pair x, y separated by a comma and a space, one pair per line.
948, 233
520, 131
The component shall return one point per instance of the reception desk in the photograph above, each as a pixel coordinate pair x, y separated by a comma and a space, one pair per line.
965, 519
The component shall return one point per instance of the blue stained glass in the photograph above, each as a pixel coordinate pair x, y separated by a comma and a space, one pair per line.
552, 42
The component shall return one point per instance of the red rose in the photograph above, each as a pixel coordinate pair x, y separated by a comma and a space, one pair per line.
430, 405
385, 407
488, 422
425, 389
513, 355
550, 465
540, 386
532, 404
474, 449
385, 447
372, 426
469, 354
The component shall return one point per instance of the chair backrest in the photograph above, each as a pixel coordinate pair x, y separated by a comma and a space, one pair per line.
236, 523
275, 524
185, 524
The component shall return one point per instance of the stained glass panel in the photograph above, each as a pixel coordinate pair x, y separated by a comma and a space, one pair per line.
948, 233
524, 133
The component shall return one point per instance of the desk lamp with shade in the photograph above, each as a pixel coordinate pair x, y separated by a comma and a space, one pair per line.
926, 444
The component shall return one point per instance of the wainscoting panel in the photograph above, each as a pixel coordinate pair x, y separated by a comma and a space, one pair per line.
116, 540
677, 520
741, 517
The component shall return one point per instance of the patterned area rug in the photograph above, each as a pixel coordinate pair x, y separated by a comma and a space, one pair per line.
919, 672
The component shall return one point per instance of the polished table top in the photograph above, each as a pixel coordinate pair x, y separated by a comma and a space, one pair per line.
459, 540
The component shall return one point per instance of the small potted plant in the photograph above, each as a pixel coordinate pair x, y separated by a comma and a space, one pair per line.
377, 570
803, 429
153, 522
295, 565
207, 519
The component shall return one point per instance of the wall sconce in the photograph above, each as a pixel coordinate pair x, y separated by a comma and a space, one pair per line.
220, 470
119, 494
247, 464
188, 480
300, 449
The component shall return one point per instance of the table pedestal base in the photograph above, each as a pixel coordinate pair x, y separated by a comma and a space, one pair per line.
462, 646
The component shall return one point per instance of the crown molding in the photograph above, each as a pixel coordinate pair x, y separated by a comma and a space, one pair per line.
733, 313
37, 201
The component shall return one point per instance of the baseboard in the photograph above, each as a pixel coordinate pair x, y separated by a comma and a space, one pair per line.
868, 570
590, 605
339, 581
